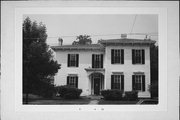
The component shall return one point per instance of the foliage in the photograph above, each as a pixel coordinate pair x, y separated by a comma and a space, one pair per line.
82, 40
131, 95
154, 89
154, 62
68, 92
38, 63
112, 94
154, 70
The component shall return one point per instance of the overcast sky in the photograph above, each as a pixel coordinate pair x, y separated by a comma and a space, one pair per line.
98, 26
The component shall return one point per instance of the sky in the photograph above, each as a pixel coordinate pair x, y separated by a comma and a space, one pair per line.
97, 26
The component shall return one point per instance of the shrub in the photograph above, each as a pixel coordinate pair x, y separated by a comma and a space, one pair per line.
131, 95
68, 92
112, 94
154, 89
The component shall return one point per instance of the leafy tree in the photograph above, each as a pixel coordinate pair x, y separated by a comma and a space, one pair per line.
154, 70
82, 40
38, 64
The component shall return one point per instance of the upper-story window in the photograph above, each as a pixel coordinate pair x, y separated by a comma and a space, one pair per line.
117, 56
138, 56
73, 60
97, 60
117, 82
138, 82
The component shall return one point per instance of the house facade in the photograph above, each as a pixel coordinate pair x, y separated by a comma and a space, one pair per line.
122, 64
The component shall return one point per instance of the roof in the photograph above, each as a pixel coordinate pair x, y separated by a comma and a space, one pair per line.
102, 43
79, 47
127, 41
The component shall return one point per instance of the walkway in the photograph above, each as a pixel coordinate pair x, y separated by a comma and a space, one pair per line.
93, 102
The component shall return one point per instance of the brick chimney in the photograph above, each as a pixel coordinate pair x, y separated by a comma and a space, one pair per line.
60, 40
123, 36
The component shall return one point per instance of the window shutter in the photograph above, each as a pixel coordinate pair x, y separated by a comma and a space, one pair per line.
143, 57
77, 60
68, 60
122, 56
133, 56
143, 82
133, 82
122, 82
112, 56
112, 81
92, 60
67, 80
76, 81
101, 60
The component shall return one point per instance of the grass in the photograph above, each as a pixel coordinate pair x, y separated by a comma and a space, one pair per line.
115, 102
58, 101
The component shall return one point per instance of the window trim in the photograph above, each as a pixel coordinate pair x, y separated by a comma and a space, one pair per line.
76, 61
117, 79
138, 55
117, 56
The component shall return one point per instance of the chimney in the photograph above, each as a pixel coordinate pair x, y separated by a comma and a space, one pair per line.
60, 40
123, 36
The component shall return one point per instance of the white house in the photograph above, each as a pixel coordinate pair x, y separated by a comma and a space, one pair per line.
111, 64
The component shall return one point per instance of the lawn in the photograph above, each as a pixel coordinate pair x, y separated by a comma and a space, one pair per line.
119, 102
57, 100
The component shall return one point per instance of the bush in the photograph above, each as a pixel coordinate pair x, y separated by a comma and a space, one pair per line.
131, 95
112, 94
154, 89
68, 92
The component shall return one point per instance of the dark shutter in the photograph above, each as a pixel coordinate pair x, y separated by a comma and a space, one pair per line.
101, 60
68, 60
133, 56
122, 56
112, 56
92, 60
112, 81
77, 60
143, 82
133, 82
67, 80
76, 81
143, 57
122, 82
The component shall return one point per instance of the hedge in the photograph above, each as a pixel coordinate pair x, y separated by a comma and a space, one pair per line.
112, 94
131, 95
68, 92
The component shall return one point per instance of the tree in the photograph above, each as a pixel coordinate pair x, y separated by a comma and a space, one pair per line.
82, 40
154, 70
38, 63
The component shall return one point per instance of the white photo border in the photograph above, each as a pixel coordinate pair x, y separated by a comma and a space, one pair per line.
162, 39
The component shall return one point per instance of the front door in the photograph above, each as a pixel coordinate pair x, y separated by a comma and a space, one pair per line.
96, 86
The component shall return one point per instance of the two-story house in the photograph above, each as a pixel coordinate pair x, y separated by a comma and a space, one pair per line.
122, 64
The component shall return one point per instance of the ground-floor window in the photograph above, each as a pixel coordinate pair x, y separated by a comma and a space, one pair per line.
72, 81
117, 82
138, 82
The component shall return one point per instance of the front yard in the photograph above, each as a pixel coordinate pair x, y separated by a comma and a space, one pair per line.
36, 100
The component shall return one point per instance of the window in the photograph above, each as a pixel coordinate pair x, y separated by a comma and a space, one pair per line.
73, 60
117, 56
117, 82
97, 61
138, 56
138, 82
72, 81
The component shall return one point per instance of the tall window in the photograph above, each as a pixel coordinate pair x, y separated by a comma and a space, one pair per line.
138, 56
73, 60
117, 82
72, 81
138, 82
117, 56
97, 61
